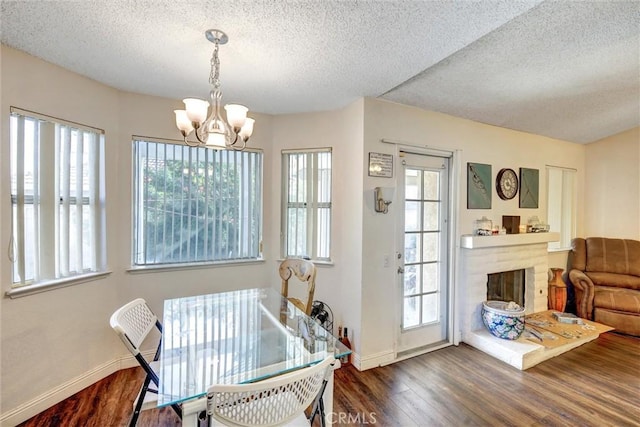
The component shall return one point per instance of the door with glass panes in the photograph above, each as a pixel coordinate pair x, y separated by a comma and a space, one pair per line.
423, 251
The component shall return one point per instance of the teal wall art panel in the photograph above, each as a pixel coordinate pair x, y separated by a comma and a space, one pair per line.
529, 186
478, 186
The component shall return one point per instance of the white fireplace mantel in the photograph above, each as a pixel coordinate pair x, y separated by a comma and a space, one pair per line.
468, 241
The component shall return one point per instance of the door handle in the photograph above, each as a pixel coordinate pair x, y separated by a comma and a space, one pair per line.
400, 270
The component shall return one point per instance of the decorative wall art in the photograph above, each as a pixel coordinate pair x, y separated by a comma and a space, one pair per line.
529, 184
381, 164
478, 186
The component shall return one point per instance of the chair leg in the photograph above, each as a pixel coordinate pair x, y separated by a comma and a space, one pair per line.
177, 409
318, 407
136, 410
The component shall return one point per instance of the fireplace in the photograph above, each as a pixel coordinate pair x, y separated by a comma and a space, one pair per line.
506, 286
482, 256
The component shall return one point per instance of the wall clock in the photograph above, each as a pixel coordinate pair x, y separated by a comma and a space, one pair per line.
507, 184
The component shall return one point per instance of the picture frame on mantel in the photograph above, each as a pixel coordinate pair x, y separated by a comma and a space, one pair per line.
478, 186
529, 187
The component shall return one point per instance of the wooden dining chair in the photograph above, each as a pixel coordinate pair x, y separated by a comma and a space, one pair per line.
305, 272
133, 322
277, 401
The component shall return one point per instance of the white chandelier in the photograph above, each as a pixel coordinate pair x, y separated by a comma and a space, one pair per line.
213, 132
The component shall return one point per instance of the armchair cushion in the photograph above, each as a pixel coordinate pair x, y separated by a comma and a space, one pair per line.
619, 256
617, 299
613, 279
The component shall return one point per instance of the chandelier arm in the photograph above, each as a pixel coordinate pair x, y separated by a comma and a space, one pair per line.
191, 143
197, 134
236, 147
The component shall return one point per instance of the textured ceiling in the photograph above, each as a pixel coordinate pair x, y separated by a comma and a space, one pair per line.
565, 69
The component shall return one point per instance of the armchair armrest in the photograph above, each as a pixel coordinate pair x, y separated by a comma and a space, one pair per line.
585, 292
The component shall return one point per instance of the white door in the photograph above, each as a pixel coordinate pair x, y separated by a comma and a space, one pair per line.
423, 253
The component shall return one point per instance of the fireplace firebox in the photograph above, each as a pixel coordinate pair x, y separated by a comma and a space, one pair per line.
507, 286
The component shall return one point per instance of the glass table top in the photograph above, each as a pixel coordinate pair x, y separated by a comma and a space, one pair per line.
235, 337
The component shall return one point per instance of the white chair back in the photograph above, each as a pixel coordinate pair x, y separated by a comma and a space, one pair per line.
271, 402
133, 322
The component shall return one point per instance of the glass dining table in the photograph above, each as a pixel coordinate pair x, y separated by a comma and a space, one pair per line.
235, 337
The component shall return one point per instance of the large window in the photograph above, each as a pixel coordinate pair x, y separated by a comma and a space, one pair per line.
57, 199
561, 205
306, 222
195, 204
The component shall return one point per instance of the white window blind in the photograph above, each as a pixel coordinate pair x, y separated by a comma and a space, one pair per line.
57, 198
195, 204
306, 223
561, 205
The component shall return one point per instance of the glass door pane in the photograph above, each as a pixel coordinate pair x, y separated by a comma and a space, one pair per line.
421, 290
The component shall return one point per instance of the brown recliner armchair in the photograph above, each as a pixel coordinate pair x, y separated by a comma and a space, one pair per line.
605, 274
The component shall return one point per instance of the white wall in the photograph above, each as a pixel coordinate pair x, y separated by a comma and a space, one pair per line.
70, 326
499, 147
612, 186
338, 284
54, 338
49, 339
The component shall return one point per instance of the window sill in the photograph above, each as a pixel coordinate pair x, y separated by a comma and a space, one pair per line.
558, 250
329, 263
23, 291
190, 266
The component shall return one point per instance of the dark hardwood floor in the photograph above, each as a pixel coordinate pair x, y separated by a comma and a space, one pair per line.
597, 384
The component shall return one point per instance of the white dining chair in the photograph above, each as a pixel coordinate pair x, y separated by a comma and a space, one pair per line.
276, 401
133, 322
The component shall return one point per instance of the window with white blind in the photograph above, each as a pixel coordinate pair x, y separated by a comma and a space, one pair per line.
195, 204
561, 205
306, 219
57, 199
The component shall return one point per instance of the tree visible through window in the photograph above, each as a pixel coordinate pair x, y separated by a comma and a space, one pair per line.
194, 204
306, 221
57, 198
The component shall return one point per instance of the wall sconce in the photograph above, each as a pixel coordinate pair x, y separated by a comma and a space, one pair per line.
382, 198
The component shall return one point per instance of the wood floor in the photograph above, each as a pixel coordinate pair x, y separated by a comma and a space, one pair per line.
597, 384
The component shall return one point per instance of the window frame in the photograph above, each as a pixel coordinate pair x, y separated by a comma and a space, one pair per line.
562, 205
139, 267
312, 207
55, 200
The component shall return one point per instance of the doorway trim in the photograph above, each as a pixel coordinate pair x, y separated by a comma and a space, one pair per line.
455, 157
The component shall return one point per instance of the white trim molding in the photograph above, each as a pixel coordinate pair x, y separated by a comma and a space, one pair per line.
373, 361
67, 389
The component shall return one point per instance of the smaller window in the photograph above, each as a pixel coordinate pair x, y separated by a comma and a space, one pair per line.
561, 205
306, 218
57, 199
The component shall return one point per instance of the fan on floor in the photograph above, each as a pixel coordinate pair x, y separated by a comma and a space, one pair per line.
322, 314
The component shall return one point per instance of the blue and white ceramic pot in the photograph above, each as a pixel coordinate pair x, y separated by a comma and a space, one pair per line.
503, 319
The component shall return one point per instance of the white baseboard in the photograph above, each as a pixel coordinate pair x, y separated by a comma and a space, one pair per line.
374, 360
57, 394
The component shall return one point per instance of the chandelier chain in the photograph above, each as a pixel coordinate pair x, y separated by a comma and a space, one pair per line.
214, 76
